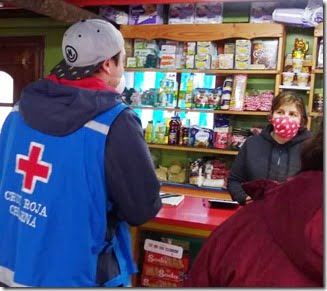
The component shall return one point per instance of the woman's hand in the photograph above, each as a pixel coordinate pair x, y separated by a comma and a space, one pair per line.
248, 200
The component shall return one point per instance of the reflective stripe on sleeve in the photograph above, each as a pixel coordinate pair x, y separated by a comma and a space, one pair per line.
102, 128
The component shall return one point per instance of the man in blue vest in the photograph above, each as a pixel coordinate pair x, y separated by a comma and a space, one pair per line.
75, 171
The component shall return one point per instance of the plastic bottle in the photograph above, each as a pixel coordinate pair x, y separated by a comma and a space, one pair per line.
160, 132
167, 129
149, 132
166, 92
189, 91
174, 131
185, 132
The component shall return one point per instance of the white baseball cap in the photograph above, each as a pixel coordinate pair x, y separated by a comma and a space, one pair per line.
85, 45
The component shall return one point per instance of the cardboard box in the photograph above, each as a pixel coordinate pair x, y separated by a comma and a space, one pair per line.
166, 261
189, 61
206, 48
209, 12
167, 61
226, 61
145, 14
265, 52
262, 11
202, 62
148, 281
181, 13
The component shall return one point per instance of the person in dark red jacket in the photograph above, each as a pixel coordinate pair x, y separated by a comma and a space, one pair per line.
276, 241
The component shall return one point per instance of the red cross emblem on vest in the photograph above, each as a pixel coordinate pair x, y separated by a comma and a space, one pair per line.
32, 168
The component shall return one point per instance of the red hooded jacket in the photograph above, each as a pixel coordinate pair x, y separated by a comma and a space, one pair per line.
276, 241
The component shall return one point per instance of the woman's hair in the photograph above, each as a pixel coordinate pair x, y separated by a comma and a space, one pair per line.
312, 154
289, 97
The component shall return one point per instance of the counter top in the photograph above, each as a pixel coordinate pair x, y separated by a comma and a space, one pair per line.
192, 213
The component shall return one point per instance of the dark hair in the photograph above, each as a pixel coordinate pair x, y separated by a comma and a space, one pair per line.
289, 97
115, 58
312, 154
114, 23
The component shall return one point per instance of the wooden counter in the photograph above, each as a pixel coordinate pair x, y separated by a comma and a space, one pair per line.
190, 218
192, 213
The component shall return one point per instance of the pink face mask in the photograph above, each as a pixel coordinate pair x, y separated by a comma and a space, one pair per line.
285, 127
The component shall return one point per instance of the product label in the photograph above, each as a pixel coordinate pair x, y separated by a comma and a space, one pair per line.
163, 248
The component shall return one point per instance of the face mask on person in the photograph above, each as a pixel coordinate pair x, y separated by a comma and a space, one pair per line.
285, 127
122, 84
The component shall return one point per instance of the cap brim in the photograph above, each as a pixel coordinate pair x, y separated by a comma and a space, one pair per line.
62, 70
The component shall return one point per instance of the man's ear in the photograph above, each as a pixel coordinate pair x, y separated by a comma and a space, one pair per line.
106, 66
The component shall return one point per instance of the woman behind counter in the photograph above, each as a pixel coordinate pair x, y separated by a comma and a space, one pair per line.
275, 153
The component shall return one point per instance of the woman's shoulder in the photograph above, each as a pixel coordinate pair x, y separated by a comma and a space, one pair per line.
302, 136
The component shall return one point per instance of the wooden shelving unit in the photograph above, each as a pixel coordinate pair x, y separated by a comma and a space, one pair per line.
83, 3
196, 191
207, 72
249, 113
315, 114
318, 35
209, 32
306, 88
318, 71
203, 32
191, 149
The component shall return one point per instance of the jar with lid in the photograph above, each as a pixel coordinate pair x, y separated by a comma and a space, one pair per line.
318, 102
225, 100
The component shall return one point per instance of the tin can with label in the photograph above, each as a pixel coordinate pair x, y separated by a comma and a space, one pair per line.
318, 102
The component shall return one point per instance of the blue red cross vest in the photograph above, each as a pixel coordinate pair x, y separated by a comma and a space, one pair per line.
53, 206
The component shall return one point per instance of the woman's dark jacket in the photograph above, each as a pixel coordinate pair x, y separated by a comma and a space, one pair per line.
261, 157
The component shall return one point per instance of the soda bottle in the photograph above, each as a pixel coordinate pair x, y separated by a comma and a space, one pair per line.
185, 132
167, 130
174, 130
149, 132
160, 132
189, 91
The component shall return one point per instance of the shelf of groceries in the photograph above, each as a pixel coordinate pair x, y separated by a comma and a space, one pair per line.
192, 149
176, 109
205, 71
195, 191
293, 87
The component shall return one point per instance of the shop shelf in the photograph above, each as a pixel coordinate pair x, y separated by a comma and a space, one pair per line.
231, 112
191, 149
208, 72
307, 88
193, 190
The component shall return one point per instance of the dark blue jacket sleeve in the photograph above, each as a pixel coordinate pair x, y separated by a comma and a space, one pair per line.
238, 176
130, 175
